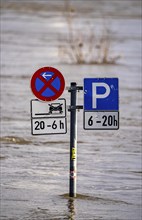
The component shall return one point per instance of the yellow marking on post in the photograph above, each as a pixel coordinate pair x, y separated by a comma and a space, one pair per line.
73, 153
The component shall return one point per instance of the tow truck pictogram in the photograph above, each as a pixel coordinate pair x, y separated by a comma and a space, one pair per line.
55, 107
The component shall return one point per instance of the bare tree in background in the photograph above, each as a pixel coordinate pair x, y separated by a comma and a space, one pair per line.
85, 47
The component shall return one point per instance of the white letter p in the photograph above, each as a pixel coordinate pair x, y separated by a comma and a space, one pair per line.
99, 96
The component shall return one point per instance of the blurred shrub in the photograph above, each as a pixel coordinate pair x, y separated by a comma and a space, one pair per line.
85, 46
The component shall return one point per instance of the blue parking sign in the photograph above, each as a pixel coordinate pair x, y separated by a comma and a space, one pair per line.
101, 94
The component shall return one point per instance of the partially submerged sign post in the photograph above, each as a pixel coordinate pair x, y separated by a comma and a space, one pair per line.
101, 109
73, 137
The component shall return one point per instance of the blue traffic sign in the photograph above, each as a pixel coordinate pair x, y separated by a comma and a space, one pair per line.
101, 94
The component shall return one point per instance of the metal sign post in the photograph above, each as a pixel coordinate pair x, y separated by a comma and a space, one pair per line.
73, 141
73, 137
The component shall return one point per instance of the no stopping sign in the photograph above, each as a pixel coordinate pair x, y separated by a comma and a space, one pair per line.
47, 84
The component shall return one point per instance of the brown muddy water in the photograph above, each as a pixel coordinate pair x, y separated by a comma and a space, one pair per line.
35, 169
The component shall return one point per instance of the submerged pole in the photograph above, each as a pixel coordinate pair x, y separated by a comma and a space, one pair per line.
73, 140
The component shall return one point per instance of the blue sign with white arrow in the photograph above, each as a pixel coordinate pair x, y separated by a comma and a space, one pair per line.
101, 94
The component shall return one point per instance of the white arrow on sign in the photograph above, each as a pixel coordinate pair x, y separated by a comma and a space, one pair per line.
45, 75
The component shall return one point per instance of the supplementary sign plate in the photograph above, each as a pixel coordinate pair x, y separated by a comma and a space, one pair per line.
48, 118
95, 120
43, 126
48, 110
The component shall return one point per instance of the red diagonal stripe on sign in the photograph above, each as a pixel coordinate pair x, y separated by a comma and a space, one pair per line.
47, 84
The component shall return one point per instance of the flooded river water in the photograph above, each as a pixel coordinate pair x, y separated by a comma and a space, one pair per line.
35, 169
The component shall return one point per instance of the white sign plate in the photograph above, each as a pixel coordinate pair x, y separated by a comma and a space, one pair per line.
41, 126
54, 109
102, 120
48, 118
